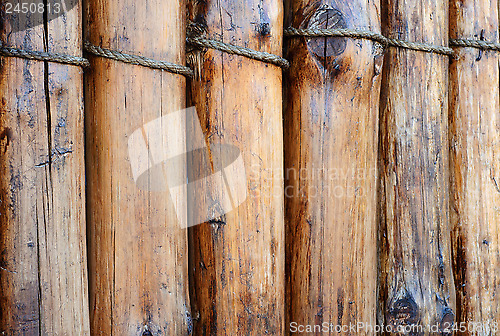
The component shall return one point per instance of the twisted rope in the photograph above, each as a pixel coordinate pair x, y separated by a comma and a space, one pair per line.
483, 45
237, 50
195, 38
44, 56
363, 34
138, 60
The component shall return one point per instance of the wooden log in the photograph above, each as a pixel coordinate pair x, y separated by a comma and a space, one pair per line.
416, 276
237, 260
331, 139
43, 263
475, 168
138, 250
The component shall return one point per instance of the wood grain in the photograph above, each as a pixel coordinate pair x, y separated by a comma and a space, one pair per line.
417, 285
331, 138
237, 261
43, 264
138, 251
475, 167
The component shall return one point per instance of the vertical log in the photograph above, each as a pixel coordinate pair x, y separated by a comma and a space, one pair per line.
43, 277
237, 260
475, 168
138, 251
416, 275
331, 139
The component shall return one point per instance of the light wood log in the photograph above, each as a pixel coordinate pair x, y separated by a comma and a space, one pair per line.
331, 139
43, 262
417, 285
237, 261
475, 168
138, 250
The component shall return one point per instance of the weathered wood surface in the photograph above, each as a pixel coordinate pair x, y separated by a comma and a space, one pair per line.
331, 139
43, 263
237, 261
138, 251
475, 168
416, 275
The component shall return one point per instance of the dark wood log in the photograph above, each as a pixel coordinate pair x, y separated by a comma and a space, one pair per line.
417, 285
475, 168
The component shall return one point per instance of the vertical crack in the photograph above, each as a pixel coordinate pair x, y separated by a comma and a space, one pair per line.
38, 271
46, 84
48, 169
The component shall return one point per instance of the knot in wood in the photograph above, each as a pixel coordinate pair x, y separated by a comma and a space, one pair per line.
327, 17
403, 312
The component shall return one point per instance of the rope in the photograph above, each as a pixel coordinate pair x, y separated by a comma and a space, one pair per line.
195, 31
237, 50
44, 56
483, 45
138, 60
362, 34
194, 38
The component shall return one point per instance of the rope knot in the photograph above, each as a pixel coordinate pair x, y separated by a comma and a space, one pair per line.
194, 30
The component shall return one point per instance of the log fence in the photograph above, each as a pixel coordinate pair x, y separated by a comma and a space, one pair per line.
340, 172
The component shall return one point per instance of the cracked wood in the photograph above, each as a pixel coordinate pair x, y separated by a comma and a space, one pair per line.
416, 281
43, 262
475, 165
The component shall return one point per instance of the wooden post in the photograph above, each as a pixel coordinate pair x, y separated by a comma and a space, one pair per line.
416, 275
475, 167
43, 264
331, 126
138, 250
237, 260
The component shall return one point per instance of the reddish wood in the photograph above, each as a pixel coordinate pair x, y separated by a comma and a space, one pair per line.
237, 261
138, 251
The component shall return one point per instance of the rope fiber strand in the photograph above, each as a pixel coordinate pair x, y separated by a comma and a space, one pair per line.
138, 60
236, 50
43, 56
478, 44
362, 34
